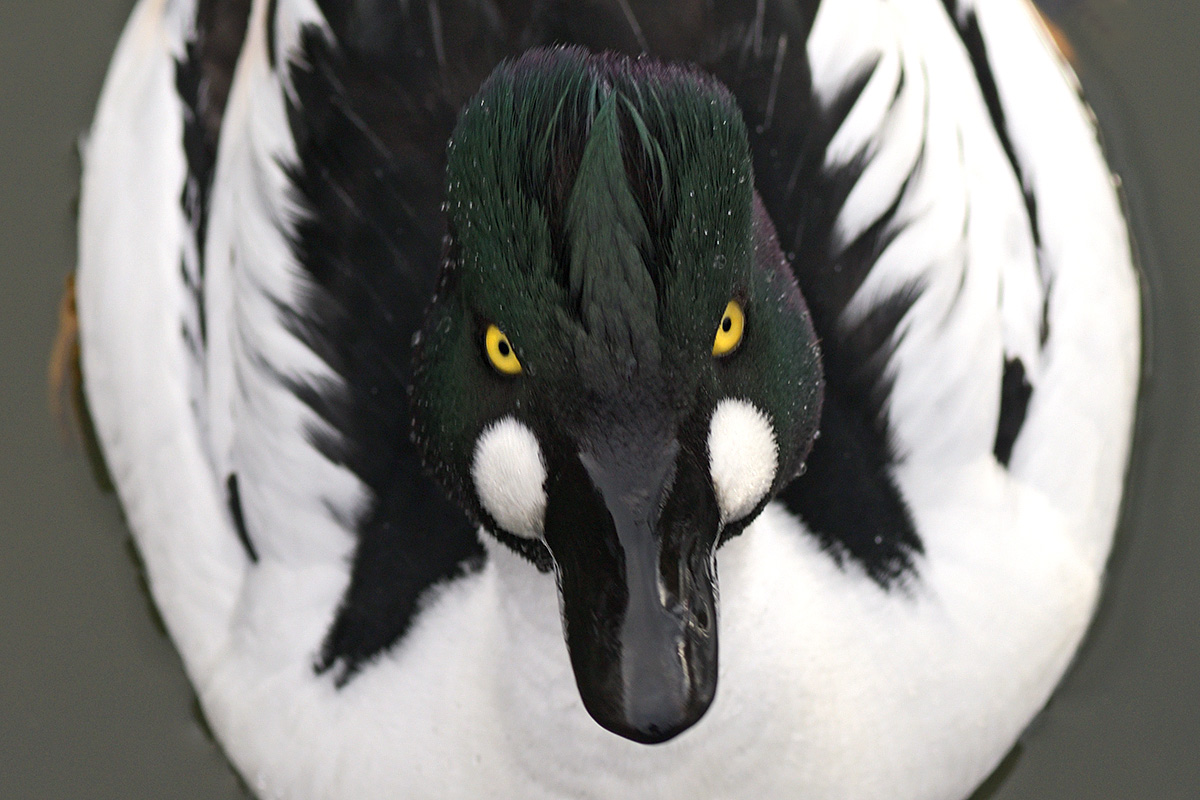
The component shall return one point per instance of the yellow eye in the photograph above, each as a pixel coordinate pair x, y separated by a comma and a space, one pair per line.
500, 352
729, 332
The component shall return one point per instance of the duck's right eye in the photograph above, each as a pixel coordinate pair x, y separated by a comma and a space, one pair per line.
500, 352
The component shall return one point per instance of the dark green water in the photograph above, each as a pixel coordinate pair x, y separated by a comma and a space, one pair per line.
93, 700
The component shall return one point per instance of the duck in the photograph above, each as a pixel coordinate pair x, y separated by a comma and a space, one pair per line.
609, 399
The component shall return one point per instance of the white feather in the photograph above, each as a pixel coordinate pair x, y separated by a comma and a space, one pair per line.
510, 476
742, 457
135, 362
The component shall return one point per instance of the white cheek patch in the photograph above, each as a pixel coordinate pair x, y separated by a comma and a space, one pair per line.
510, 477
742, 457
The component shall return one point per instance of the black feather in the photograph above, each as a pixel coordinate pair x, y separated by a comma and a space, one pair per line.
370, 131
233, 499
1015, 391
203, 78
371, 114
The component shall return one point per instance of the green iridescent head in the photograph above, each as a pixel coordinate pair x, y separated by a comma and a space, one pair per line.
618, 371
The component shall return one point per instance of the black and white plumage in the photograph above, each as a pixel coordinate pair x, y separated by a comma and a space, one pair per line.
888, 626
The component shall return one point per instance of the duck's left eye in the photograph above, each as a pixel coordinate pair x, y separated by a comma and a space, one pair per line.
729, 332
500, 352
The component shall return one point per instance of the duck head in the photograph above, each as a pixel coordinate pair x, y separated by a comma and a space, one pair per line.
618, 370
